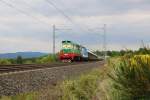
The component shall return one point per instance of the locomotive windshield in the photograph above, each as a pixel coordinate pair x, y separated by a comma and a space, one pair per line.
70, 47
67, 46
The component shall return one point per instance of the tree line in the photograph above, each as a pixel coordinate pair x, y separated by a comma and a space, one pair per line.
38, 60
140, 51
53, 58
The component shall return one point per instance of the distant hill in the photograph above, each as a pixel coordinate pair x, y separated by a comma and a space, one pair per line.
23, 54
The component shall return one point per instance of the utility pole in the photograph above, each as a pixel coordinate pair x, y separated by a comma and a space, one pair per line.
54, 36
142, 44
105, 44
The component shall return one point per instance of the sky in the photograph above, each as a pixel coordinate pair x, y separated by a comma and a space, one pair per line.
26, 25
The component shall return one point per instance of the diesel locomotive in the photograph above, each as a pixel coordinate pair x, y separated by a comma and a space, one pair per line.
74, 52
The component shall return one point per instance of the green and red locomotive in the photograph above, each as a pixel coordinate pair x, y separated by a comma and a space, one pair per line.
74, 52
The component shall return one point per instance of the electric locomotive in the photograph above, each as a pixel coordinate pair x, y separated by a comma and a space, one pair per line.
74, 52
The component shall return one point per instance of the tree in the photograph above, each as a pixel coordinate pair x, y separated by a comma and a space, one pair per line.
144, 51
19, 60
122, 52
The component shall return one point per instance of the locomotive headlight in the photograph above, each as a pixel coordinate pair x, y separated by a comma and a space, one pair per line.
65, 46
69, 46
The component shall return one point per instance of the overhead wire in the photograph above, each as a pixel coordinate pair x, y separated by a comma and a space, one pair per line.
88, 30
23, 12
55, 6
66, 16
37, 19
59, 10
29, 6
11, 5
61, 29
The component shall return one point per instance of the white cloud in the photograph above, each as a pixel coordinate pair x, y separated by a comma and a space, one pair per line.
125, 19
23, 44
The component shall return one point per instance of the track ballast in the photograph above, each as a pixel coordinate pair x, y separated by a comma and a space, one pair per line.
24, 67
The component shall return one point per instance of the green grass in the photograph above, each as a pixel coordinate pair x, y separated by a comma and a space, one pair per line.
82, 88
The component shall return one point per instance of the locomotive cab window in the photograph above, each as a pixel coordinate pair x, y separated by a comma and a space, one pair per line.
67, 46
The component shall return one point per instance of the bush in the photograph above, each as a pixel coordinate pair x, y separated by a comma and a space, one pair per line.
131, 78
83, 88
28, 62
4, 62
46, 59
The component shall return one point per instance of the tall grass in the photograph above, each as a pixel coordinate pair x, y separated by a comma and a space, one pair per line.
83, 88
130, 78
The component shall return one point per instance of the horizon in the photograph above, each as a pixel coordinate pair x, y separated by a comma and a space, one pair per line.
58, 51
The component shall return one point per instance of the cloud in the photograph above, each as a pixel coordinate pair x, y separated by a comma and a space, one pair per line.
23, 44
127, 24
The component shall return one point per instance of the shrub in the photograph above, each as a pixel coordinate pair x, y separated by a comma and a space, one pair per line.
28, 62
4, 61
46, 59
131, 78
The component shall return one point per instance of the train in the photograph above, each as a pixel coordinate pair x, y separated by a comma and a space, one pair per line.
71, 52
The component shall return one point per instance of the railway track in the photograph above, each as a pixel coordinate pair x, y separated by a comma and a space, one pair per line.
24, 67
26, 79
